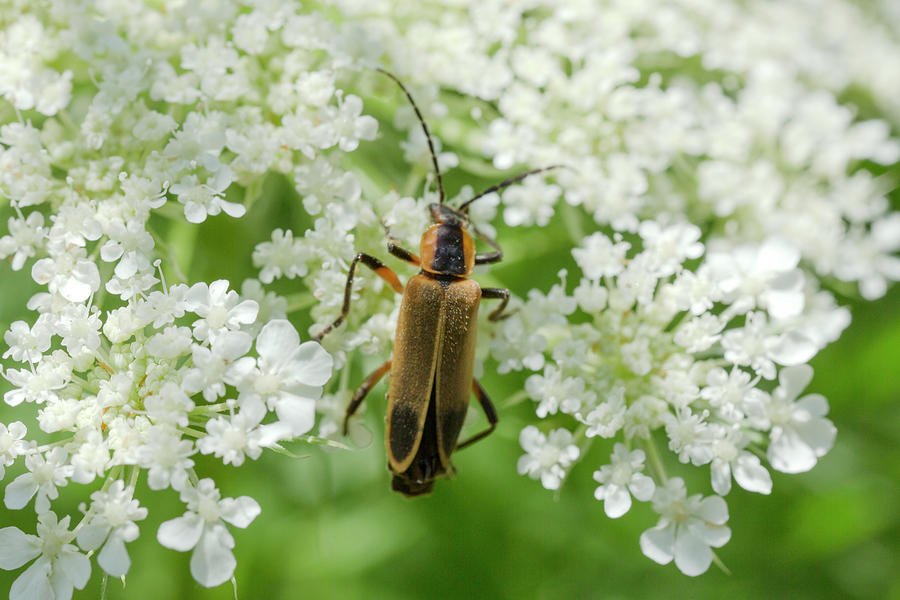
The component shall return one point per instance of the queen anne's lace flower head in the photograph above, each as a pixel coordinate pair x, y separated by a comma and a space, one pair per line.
710, 209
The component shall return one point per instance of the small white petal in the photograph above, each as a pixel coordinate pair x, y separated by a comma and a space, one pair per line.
642, 487
818, 434
277, 340
789, 453
181, 533
299, 413
618, 501
794, 348
794, 379
90, 537
315, 364
17, 548
658, 543
713, 510
76, 566
692, 555
720, 472
113, 558
20, 491
240, 512
751, 475
33, 583
212, 561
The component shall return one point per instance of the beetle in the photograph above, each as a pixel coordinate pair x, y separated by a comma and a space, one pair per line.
434, 347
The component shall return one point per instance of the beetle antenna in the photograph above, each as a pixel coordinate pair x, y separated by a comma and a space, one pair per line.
434, 161
503, 184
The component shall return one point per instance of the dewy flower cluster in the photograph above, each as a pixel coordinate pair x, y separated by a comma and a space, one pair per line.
707, 142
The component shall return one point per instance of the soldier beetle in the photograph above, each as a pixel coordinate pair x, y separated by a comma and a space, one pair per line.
434, 346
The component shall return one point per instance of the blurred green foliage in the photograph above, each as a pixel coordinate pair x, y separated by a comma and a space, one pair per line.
331, 528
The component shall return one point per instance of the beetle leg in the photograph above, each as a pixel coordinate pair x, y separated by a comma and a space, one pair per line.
360, 394
489, 257
495, 293
379, 268
489, 411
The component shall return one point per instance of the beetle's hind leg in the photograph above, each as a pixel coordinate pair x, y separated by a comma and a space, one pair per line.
362, 391
379, 268
497, 293
489, 411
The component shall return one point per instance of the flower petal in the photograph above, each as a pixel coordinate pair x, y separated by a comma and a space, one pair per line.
212, 561
75, 565
789, 453
181, 533
692, 555
33, 583
658, 543
617, 502
312, 364
299, 413
642, 487
113, 558
751, 475
240, 512
20, 491
17, 548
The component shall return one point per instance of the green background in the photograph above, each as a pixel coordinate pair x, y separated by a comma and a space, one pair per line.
331, 528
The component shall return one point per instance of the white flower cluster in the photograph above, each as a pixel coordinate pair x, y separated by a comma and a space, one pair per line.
725, 113
715, 145
691, 354
119, 122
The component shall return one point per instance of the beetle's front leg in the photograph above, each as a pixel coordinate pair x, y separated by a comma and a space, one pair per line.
489, 411
379, 268
497, 293
360, 394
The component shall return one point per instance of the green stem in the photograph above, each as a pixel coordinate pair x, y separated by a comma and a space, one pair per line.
655, 460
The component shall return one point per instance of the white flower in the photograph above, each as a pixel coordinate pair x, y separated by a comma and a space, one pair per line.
281, 257
800, 432
111, 523
27, 344
12, 444
59, 566
221, 309
202, 528
25, 237
45, 474
241, 435
288, 376
621, 479
69, 273
687, 528
730, 457
166, 456
547, 456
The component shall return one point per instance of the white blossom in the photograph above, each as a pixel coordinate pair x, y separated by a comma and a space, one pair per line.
59, 567
688, 527
621, 479
547, 457
202, 528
